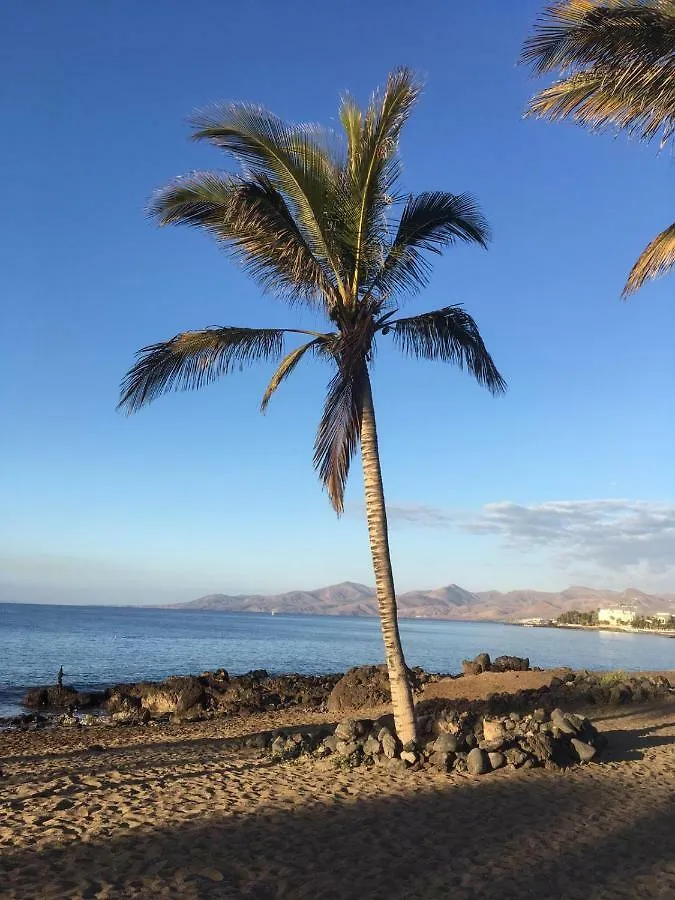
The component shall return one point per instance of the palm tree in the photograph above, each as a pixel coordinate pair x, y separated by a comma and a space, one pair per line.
310, 219
617, 62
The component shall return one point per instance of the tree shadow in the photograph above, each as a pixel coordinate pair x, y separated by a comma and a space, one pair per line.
533, 835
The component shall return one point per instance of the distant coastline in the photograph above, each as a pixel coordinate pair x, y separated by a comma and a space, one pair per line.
449, 603
619, 629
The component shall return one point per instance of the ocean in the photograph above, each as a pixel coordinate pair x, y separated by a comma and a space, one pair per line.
100, 645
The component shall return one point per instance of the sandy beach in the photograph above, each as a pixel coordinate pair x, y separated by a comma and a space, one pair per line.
175, 812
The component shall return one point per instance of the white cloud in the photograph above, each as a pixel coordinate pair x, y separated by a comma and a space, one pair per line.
614, 535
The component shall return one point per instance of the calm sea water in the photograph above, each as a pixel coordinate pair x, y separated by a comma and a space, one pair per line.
101, 645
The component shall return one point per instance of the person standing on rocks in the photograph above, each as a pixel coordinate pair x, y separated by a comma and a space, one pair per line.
59, 677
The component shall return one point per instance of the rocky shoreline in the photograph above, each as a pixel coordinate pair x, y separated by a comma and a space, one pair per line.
185, 699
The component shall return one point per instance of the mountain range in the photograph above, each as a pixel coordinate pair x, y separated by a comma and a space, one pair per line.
451, 602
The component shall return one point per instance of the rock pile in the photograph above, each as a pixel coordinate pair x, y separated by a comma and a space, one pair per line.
457, 741
609, 688
483, 663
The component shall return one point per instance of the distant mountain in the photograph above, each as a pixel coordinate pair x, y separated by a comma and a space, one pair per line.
345, 599
451, 602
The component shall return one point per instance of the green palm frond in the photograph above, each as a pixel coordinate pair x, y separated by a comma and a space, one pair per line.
656, 259
339, 432
575, 33
429, 222
374, 166
294, 159
288, 364
450, 335
250, 218
642, 106
194, 359
618, 59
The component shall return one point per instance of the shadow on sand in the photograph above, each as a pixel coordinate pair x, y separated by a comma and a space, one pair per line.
537, 835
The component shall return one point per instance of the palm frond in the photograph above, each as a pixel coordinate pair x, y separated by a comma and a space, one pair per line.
618, 60
339, 432
251, 219
643, 104
351, 118
193, 359
656, 259
429, 222
294, 159
450, 335
374, 167
286, 367
578, 33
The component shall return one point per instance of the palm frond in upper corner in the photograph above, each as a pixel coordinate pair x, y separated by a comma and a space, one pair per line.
656, 259
618, 62
193, 359
451, 335
577, 33
642, 105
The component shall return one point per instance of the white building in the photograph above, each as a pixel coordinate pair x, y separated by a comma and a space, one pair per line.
616, 616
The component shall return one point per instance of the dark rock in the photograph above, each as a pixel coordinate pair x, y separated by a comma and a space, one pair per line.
346, 748
372, 746
119, 702
396, 764
60, 697
446, 743
469, 667
191, 695
493, 730
619, 694
584, 751
538, 745
442, 761
477, 762
515, 756
349, 730
476, 666
492, 746
497, 760
388, 742
330, 742
510, 664
563, 722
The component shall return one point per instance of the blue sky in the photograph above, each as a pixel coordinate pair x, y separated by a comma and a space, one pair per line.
567, 479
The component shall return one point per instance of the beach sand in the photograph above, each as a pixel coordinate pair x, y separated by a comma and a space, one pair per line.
174, 812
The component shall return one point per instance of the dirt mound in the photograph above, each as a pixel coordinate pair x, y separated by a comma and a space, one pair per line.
360, 688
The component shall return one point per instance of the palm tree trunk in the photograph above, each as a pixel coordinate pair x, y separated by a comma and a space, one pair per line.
376, 514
